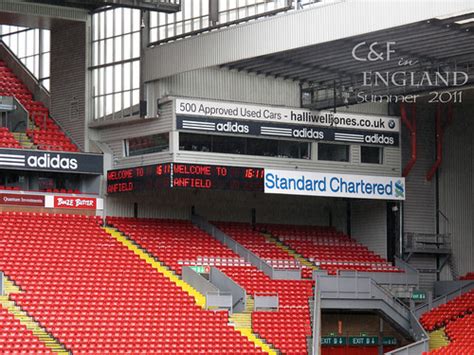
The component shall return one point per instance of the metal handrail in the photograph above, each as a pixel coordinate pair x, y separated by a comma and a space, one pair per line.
444, 298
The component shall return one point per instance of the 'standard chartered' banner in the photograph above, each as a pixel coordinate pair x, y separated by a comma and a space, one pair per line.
334, 185
271, 114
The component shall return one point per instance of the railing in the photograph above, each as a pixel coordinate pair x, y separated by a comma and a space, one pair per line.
225, 284
443, 299
219, 300
316, 341
423, 242
213, 18
265, 300
251, 257
363, 289
419, 346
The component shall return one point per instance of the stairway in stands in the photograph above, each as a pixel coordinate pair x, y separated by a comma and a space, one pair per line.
307, 266
240, 321
178, 242
24, 140
45, 133
97, 296
243, 323
438, 339
148, 258
28, 322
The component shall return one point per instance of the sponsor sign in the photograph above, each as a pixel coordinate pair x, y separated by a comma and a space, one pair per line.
22, 200
51, 161
74, 202
334, 185
303, 132
284, 115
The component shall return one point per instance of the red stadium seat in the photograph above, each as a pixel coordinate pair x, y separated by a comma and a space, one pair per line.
47, 134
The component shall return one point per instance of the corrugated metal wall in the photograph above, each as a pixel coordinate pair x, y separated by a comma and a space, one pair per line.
68, 78
456, 186
223, 84
114, 137
391, 166
233, 206
419, 209
369, 225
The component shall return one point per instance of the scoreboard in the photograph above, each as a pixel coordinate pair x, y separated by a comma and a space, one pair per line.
185, 176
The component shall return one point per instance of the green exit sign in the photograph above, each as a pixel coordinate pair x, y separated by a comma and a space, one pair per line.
200, 269
333, 341
389, 341
418, 295
363, 341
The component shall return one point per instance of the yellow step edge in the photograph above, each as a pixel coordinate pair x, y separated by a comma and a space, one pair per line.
438, 339
198, 297
291, 252
45, 338
243, 324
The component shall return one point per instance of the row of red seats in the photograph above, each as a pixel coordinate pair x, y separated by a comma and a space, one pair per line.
244, 234
15, 338
47, 135
468, 276
97, 297
167, 240
61, 191
7, 140
458, 319
11, 188
440, 316
329, 249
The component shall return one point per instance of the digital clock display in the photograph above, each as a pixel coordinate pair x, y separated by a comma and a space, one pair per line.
185, 176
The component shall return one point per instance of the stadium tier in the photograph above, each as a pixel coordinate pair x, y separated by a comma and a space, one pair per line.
329, 249
46, 135
97, 297
178, 243
457, 319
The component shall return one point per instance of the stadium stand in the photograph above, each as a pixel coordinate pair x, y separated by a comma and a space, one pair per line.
46, 135
169, 240
96, 296
329, 249
15, 338
457, 319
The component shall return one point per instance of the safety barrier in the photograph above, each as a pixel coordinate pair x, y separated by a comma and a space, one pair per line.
226, 285
266, 300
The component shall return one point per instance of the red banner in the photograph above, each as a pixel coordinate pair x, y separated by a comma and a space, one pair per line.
88, 203
22, 200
